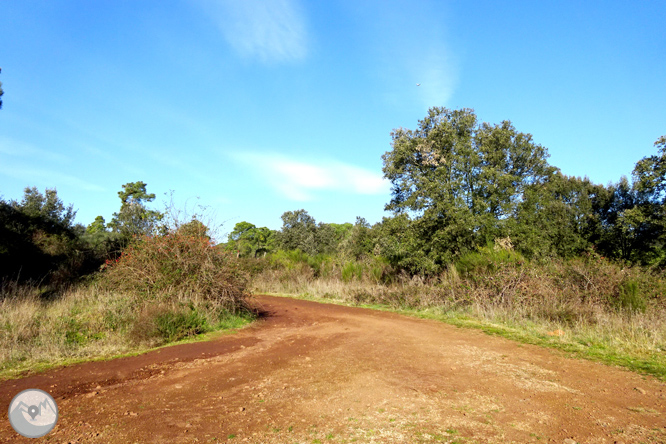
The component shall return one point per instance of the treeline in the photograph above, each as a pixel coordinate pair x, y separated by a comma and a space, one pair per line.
40, 243
459, 185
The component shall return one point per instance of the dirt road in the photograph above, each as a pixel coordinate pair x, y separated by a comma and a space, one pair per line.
318, 373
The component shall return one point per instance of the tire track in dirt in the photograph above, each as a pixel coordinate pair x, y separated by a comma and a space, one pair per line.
311, 372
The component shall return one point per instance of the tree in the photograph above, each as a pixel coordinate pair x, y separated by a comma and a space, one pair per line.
359, 241
460, 180
47, 207
134, 218
250, 241
299, 231
560, 217
97, 226
38, 239
650, 175
647, 221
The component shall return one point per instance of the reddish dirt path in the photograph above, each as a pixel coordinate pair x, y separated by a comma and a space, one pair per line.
312, 372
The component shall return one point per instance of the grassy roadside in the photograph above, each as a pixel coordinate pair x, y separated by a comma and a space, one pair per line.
576, 342
29, 367
161, 290
91, 324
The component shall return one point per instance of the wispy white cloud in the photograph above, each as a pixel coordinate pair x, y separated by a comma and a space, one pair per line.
299, 180
269, 30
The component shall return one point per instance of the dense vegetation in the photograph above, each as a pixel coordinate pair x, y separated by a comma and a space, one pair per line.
483, 230
71, 292
458, 185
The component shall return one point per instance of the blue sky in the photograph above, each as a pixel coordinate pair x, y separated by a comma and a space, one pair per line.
253, 108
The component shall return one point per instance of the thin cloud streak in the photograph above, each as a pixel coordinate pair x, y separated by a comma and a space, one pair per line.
269, 30
299, 181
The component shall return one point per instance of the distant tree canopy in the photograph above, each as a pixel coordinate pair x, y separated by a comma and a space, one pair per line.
134, 218
300, 231
459, 184
48, 207
645, 221
249, 241
38, 237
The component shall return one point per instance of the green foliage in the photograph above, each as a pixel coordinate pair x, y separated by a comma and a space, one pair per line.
249, 241
97, 226
359, 240
299, 232
173, 326
101, 242
559, 217
630, 297
351, 271
650, 175
134, 218
47, 207
646, 221
461, 180
488, 260
38, 240
458, 184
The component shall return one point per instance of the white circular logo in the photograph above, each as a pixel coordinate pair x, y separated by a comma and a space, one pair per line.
33, 413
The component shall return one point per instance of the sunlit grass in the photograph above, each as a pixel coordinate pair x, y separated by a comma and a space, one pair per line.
85, 323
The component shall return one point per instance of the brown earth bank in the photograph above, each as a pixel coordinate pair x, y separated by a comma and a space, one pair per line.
319, 373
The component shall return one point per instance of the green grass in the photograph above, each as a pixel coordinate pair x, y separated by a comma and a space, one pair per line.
87, 324
30, 368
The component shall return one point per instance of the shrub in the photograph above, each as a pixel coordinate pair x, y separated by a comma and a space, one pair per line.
179, 266
630, 297
351, 271
487, 260
176, 325
163, 323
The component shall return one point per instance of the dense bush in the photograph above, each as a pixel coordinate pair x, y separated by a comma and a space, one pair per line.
178, 266
491, 276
